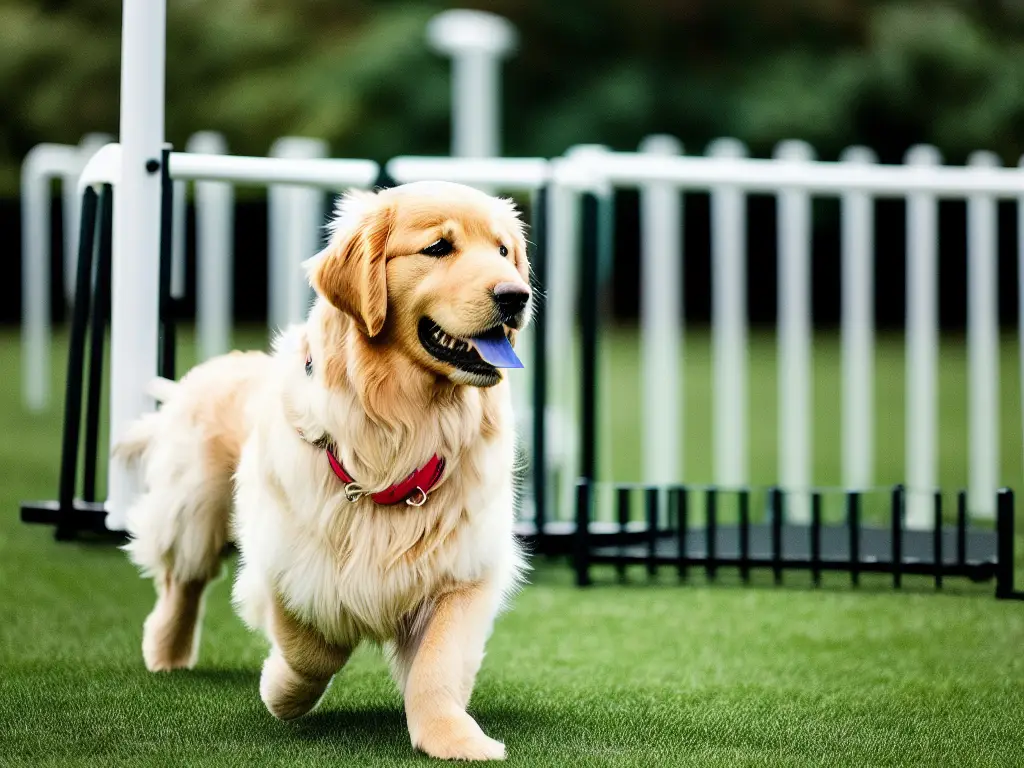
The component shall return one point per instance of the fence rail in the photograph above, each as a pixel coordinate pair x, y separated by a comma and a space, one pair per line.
667, 532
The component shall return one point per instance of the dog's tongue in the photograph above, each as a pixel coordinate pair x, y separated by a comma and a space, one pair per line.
495, 349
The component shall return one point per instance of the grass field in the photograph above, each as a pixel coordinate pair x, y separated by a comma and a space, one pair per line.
638, 674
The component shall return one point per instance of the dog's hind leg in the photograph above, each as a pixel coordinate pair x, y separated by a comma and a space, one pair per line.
170, 636
179, 530
299, 668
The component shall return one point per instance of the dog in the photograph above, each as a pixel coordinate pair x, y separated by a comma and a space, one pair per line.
363, 468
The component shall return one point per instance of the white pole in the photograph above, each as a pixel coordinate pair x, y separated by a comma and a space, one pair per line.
562, 248
922, 344
476, 41
215, 201
794, 299
136, 273
72, 203
1020, 293
983, 346
729, 324
35, 282
295, 220
858, 330
661, 321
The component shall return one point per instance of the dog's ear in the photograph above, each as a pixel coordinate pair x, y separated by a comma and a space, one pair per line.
351, 273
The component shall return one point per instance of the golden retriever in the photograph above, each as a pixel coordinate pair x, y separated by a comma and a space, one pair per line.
364, 469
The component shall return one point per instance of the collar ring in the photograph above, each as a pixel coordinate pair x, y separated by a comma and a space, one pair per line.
413, 501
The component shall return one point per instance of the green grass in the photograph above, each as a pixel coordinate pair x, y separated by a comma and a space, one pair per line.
637, 674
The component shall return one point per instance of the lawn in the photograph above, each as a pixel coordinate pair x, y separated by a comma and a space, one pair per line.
636, 674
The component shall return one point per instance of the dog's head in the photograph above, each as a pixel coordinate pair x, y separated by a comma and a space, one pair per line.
431, 268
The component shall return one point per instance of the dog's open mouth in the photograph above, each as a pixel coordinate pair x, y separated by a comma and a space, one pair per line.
482, 354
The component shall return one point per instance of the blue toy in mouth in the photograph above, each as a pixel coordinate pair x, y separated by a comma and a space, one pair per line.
495, 349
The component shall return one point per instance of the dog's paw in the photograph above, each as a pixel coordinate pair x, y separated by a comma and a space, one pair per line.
456, 738
286, 694
162, 651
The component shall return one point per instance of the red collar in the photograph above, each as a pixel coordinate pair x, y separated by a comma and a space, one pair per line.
413, 490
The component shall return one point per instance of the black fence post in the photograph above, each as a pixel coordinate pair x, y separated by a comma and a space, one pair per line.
589, 290
540, 365
651, 504
961, 529
778, 515
711, 533
816, 538
167, 305
1004, 544
581, 538
744, 535
66, 528
853, 529
897, 536
97, 342
682, 498
623, 497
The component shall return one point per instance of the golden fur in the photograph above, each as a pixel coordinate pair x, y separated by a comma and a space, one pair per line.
319, 573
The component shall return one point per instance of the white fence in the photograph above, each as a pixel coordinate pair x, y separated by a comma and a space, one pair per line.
662, 173
296, 215
795, 178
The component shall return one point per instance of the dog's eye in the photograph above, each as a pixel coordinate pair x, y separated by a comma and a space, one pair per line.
503, 251
441, 248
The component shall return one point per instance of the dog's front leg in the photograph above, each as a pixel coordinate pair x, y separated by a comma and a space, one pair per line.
441, 662
299, 667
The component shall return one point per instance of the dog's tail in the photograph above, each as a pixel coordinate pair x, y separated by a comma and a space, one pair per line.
138, 437
161, 389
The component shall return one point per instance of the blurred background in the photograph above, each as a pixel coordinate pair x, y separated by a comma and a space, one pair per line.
361, 76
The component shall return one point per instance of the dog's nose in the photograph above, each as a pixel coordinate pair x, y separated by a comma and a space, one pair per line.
511, 299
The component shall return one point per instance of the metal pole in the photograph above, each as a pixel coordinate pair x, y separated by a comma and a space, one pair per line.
922, 345
476, 41
729, 324
858, 330
295, 222
661, 321
137, 210
795, 341
983, 346
215, 207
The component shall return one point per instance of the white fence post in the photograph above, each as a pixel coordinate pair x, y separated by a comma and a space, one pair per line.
215, 208
729, 324
661, 321
35, 279
203, 142
858, 330
41, 165
983, 346
135, 271
562, 249
476, 41
1020, 291
794, 311
295, 219
922, 344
